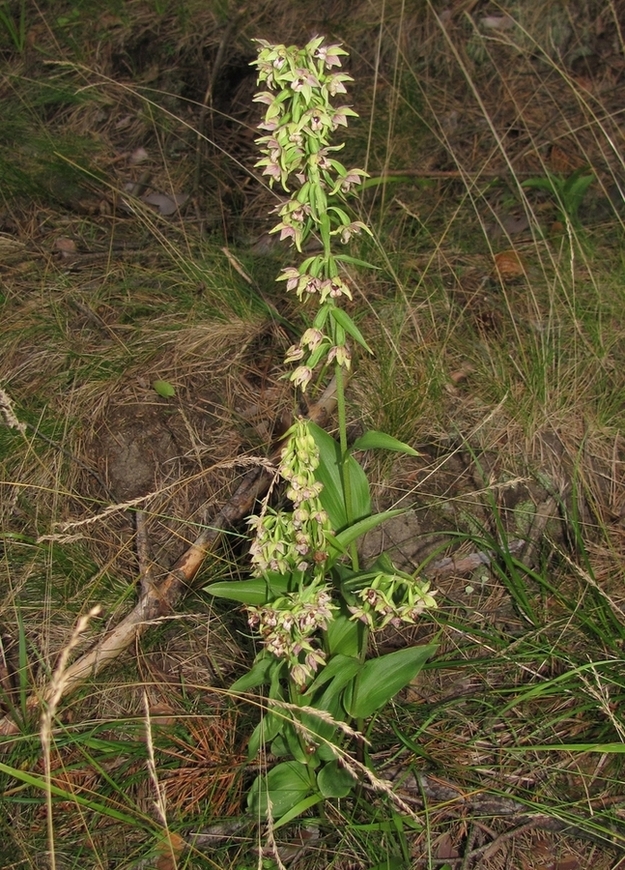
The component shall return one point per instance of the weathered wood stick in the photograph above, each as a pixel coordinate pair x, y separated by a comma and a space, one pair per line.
157, 598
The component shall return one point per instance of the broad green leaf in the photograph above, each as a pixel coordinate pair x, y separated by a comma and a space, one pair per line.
255, 591
381, 679
280, 747
373, 440
258, 675
296, 749
267, 729
285, 785
344, 637
298, 809
338, 672
164, 389
344, 320
357, 530
334, 781
329, 474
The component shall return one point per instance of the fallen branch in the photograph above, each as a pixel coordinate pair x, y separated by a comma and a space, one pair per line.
158, 598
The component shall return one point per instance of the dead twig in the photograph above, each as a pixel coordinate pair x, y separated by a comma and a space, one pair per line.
158, 598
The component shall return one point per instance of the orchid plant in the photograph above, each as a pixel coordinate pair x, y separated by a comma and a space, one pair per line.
308, 598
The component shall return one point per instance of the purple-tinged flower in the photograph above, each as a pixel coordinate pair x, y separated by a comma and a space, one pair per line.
334, 288
268, 617
305, 79
371, 596
354, 176
316, 122
253, 619
294, 354
291, 276
340, 116
362, 615
312, 285
334, 83
352, 229
272, 169
276, 646
299, 674
301, 377
300, 516
330, 54
312, 338
270, 125
287, 231
323, 161
265, 97
341, 354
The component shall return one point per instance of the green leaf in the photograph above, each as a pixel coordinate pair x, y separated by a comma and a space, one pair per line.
322, 315
164, 389
549, 184
373, 440
343, 319
267, 730
312, 265
338, 672
324, 228
255, 591
296, 747
385, 179
285, 785
258, 675
354, 261
340, 213
344, 637
40, 783
317, 354
329, 474
279, 747
603, 748
394, 862
298, 809
334, 781
381, 679
357, 530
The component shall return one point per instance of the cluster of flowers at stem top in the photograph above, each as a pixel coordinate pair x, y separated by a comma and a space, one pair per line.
298, 124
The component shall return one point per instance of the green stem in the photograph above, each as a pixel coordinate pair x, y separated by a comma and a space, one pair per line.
345, 475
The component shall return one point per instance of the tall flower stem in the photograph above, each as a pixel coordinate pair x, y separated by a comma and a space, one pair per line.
345, 475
